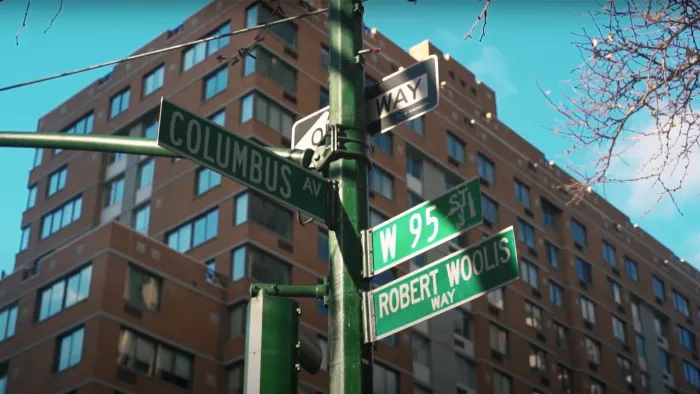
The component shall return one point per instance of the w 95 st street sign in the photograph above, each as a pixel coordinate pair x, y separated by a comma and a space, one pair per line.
440, 286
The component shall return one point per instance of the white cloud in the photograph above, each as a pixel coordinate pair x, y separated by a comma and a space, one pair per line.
490, 67
647, 154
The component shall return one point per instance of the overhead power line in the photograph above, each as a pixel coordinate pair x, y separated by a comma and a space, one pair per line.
163, 50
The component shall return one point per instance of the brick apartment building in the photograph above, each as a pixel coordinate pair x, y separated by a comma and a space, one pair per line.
133, 272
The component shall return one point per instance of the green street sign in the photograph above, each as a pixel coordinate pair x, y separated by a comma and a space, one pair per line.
424, 226
242, 160
440, 286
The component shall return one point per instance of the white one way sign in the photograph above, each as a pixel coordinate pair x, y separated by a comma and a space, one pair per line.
398, 98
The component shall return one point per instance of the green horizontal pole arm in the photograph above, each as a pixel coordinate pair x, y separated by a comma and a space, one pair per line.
115, 143
317, 291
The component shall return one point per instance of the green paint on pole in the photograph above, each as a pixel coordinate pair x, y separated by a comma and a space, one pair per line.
442, 285
426, 225
242, 160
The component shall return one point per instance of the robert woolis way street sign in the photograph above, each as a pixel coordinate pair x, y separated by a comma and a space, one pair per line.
425, 226
397, 98
440, 286
242, 160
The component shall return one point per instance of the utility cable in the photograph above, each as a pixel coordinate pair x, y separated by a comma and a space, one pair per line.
163, 50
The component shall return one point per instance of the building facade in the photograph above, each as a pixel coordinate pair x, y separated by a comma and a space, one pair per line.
133, 272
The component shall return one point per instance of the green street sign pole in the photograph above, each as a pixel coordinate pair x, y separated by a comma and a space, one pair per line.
350, 362
443, 285
424, 227
242, 160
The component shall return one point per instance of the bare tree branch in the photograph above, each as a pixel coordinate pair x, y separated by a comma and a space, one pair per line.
484, 15
641, 63
60, 7
24, 22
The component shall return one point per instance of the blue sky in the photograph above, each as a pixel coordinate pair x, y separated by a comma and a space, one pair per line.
523, 38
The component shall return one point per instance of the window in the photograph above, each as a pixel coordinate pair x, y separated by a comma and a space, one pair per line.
325, 58
588, 310
143, 288
489, 209
267, 112
142, 219
114, 192
119, 102
685, 337
323, 251
3, 377
413, 199
64, 293
632, 270
609, 254
421, 349
533, 316
81, 126
414, 166
658, 286
529, 273
151, 130
251, 262
665, 361
25, 236
579, 233
210, 273
502, 384
497, 298
323, 98
57, 181
235, 378
565, 379
384, 141
583, 271
455, 148
31, 196
639, 342
215, 82
61, 217
146, 173
592, 351
619, 329
115, 157
466, 375
463, 323
260, 210
381, 182
417, 124
556, 294
219, 118
538, 359
272, 67
286, 32
153, 80
154, 359
70, 349
681, 303
206, 179
384, 381
596, 387
499, 339
376, 218
486, 169
8, 323
198, 52
522, 193
195, 232
552, 254
549, 214
691, 374
561, 336
616, 292
38, 157
526, 233
383, 278
237, 320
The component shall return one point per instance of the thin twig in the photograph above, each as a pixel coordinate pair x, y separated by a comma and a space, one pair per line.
60, 7
476, 22
24, 22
